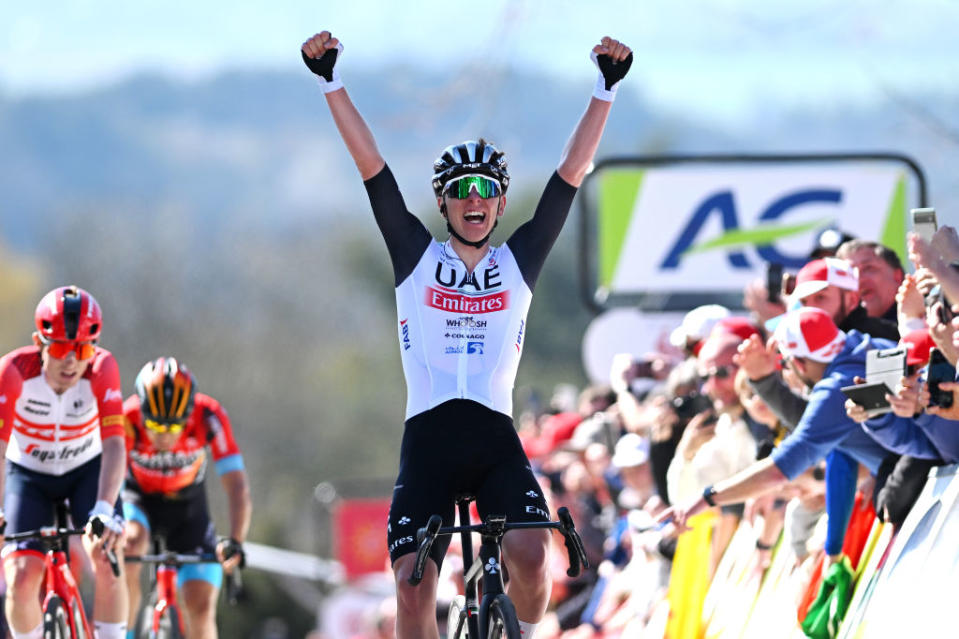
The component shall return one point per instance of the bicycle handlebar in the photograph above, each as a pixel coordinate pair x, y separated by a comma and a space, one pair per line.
173, 559
427, 535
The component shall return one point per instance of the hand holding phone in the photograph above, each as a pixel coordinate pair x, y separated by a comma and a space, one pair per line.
924, 223
940, 371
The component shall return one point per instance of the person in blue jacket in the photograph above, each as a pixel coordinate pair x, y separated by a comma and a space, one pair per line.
908, 430
825, 359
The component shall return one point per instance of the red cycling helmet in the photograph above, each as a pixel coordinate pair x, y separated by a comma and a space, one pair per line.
68, 314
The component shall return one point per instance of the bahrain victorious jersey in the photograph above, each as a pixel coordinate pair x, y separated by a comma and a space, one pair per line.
180, 471
54, 433
461, 333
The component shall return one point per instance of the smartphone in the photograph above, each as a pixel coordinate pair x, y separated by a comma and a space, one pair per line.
872, 397
945, 307
774, 281
940, 370
924, 223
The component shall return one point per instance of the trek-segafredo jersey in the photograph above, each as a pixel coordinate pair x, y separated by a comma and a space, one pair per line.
461, 333
54, 433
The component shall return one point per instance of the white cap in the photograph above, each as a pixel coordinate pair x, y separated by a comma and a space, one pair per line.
698, 324
828, 271
631, 450
810, 333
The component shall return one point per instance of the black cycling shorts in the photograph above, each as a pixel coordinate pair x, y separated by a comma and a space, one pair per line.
184, 524
30, 498
459, 447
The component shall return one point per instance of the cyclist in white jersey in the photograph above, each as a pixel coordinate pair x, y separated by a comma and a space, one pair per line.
462, 308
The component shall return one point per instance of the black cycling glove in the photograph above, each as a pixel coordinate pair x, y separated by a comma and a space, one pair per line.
610, 73
325, 68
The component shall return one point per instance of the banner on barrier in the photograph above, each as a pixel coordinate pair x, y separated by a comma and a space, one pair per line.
674, 229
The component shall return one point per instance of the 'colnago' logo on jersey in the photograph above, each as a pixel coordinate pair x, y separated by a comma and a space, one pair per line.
112, 394
405, 331
455, 303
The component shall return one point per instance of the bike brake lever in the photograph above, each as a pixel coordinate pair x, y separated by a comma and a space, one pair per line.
97, 527
425, 537
574, 545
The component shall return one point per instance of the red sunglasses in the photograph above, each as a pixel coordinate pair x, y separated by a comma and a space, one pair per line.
60, 350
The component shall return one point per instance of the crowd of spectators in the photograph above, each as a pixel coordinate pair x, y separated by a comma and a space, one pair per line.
749, 410
746, 417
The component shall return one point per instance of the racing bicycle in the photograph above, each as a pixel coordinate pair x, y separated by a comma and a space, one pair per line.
63, 613
160, 616
494, 616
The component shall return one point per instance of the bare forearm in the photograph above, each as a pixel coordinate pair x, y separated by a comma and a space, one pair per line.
112, 469
753, 481
582, 145
241, 506
355, 133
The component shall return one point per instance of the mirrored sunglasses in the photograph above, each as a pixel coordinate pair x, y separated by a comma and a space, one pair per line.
159, 427
486, 188
60, 350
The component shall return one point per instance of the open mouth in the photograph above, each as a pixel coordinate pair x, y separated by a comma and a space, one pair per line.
474, 217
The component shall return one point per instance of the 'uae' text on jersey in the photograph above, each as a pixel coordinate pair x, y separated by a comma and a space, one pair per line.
461, 333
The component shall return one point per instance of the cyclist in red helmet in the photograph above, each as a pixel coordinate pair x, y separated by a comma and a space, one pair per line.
61, 435
170, 426
462, 321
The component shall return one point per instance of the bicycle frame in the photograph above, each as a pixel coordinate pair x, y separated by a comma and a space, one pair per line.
488, 564
166, 596
59, 582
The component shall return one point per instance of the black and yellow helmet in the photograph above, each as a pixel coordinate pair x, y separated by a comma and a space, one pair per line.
166, 389
473, 157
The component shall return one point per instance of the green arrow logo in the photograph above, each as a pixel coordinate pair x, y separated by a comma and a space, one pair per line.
758, 236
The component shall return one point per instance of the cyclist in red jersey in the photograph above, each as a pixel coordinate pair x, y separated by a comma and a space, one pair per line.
169, 428
462, 308
61, 436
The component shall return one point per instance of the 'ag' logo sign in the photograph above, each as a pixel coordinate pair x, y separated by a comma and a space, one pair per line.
722, 205
682, 231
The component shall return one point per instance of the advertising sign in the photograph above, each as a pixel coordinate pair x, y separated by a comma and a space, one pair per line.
673, 233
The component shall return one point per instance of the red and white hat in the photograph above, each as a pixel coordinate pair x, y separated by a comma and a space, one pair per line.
697, 325
918, 344
809, 333
829, 271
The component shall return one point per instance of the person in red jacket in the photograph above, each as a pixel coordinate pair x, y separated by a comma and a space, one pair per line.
61, 436
172, 433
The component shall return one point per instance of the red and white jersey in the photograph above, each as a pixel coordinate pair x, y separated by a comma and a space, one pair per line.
55, 433
181, 469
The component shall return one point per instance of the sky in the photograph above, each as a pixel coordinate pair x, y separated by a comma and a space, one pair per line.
720, 59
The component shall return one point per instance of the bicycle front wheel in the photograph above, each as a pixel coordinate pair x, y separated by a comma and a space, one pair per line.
56, 621
502, 619
456, 619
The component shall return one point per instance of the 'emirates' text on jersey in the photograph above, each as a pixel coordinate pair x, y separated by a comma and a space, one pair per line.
50, 432
461, 334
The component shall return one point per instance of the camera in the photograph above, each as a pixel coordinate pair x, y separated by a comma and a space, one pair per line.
690, 405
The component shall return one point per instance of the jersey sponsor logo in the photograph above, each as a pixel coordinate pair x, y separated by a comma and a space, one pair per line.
35, 411
166, 460
453, 350
112, 420
112, 394
405, 331
448, 276
519, 337
474, 347
535, 510
456, 303
408, 539
65, 453
466, 321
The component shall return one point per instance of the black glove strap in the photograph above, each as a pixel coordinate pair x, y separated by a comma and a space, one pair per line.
322, 66
613, 71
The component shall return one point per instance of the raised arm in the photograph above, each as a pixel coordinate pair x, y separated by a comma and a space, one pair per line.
320, 53
613, 59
